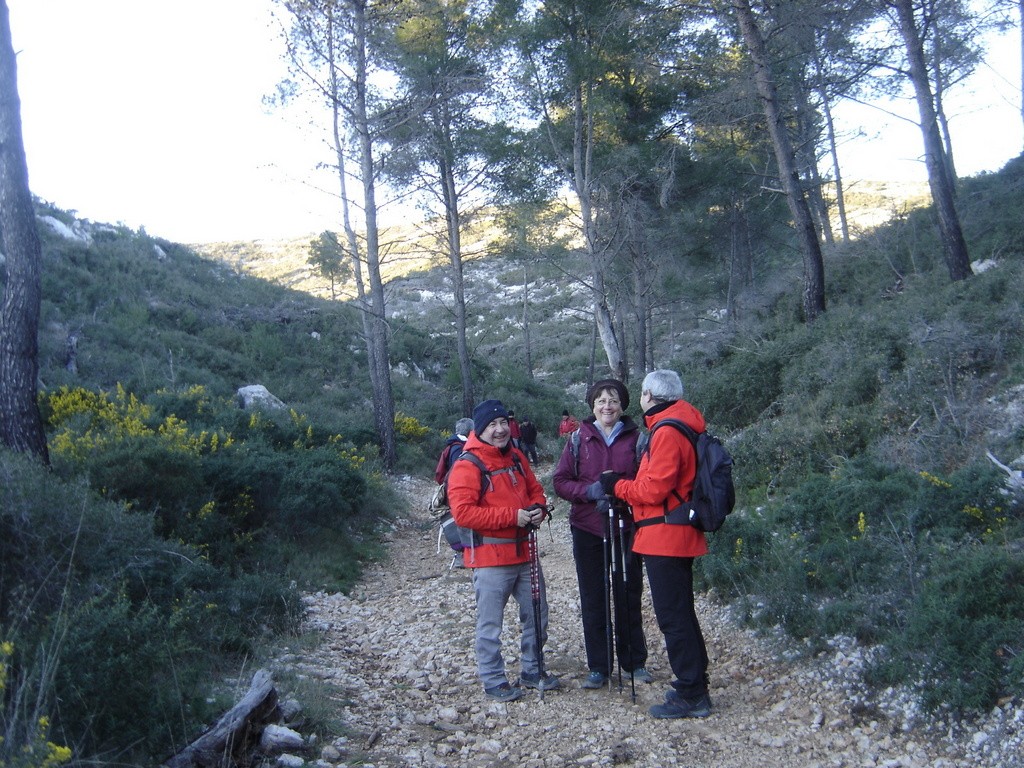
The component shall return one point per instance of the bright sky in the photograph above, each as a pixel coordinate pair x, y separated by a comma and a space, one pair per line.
149, 113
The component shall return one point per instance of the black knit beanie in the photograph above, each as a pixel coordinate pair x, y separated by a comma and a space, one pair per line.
485, 413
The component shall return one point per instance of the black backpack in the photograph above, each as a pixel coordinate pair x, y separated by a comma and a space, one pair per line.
714, 495
457, 537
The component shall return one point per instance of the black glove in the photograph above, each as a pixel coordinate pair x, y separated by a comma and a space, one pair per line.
545, 512
608, 481
623, 510
595, 491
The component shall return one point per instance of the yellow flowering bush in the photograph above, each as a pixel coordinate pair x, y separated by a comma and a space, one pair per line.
409, 428
84, 421
938, 482
346, 453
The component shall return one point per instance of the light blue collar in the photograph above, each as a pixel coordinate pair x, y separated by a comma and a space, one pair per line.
609, 438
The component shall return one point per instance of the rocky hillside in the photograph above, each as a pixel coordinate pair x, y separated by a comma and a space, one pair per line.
409, 249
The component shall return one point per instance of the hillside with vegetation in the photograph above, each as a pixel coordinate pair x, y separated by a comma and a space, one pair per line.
171, 541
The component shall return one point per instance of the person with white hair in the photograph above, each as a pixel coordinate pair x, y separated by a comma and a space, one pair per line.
663, 480
450, 452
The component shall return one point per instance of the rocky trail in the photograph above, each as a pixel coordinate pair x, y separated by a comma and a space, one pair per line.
397, 656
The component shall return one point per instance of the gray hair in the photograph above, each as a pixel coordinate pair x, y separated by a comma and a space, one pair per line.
463, 427
663, 384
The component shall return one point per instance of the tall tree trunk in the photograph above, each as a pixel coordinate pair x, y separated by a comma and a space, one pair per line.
954, 246
833, 149
383, 395
354, 247
527, 355
453, 219
21, 425
940, 108
808, 158
814, 266
583, 186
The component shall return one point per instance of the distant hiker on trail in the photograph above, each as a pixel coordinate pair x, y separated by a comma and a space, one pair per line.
450, 452
567, 425
605, 441
513, 429
664, 478
452, 448
528, 438
502, 514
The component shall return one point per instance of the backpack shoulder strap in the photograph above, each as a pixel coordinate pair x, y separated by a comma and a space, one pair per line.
685, 429
574, 448
679, 425
472, 458
643, 444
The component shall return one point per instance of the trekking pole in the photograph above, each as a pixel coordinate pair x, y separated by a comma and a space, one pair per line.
534, 551
613, 591
606, 550
625, 594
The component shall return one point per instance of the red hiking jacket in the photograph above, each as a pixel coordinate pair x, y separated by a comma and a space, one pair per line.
669, 464
495, 515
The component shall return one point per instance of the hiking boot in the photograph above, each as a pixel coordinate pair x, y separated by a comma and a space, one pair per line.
546, 683
595, 680
676, 706
673, 695
503, 692
641, 675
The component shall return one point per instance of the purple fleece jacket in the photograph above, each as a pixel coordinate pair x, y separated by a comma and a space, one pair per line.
595, 457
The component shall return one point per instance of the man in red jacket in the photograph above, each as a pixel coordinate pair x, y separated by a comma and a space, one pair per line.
669, 465
499, 508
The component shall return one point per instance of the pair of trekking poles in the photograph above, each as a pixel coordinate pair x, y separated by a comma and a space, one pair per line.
616, 553
615, 561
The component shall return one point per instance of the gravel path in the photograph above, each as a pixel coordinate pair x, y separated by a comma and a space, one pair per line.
398, 652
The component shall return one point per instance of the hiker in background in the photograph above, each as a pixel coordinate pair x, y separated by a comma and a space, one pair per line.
528, 438
500, 517
513, 429
567, 425
452, 449
605, 441
668, 469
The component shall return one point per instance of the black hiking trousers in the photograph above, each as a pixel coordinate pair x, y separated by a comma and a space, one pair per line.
630, 643
671, 580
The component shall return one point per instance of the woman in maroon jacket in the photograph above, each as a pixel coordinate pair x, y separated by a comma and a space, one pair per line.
606, 441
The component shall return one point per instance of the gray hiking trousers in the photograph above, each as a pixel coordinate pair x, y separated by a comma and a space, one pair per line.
493, 586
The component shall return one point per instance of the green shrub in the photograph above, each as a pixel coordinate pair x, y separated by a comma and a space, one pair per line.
23, 701
965, 627
127, 677
136, 625
870, 550
320, 489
